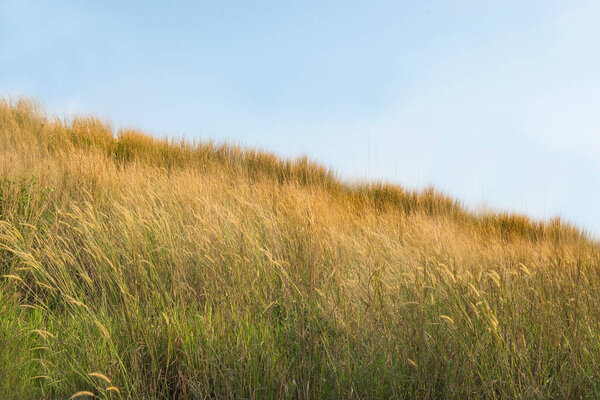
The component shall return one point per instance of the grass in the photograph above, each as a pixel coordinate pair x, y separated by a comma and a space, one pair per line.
142, 268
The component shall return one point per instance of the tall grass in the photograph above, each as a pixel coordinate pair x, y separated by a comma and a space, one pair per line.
136, 267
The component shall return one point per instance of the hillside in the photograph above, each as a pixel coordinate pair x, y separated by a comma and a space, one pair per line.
136, 267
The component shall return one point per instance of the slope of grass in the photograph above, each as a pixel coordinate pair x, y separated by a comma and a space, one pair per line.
134, 267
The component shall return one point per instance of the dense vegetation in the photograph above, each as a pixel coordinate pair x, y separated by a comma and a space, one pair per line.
133, 267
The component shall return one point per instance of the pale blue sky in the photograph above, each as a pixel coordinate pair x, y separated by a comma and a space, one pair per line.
493, 102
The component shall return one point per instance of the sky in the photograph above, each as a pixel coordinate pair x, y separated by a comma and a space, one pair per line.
494, 103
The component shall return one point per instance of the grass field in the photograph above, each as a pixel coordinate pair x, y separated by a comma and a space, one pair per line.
139, 268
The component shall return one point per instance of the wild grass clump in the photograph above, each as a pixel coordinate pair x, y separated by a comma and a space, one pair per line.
137, 267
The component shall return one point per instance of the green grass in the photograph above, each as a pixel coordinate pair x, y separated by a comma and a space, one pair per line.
196, 270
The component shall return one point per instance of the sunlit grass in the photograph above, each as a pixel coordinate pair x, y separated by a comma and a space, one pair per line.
136, 267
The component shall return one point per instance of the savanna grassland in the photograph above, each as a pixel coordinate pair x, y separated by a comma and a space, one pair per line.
141, 268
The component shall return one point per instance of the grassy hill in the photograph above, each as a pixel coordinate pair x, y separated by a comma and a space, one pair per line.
135, 267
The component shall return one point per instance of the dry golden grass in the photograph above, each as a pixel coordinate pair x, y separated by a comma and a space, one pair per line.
136, 267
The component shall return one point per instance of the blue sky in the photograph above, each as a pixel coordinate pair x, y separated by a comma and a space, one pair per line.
495, 103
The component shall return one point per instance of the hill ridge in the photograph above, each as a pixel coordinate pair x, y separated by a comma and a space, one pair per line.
136, 267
